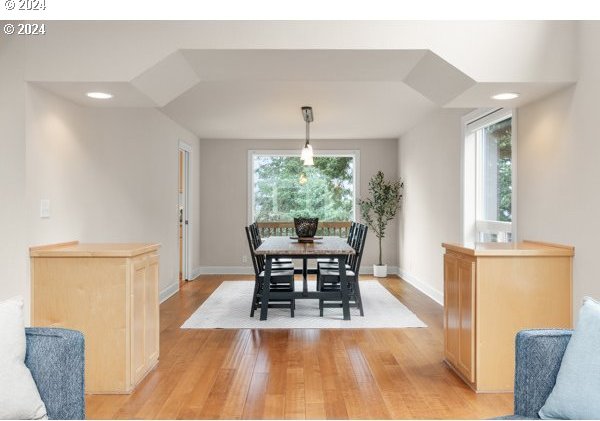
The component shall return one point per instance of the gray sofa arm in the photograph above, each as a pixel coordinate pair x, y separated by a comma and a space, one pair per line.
538, 357
56, 360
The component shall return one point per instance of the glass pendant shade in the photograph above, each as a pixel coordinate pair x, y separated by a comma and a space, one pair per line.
304, 153
307, 152
309, 161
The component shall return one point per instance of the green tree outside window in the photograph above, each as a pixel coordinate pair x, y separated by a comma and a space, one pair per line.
284, 188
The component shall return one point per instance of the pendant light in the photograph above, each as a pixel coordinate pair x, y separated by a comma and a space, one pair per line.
307, 152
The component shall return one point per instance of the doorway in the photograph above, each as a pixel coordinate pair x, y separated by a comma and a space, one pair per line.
184, 210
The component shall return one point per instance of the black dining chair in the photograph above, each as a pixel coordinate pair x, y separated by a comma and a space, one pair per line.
257, 240
351, 238
328, 276
279, 264
282, 280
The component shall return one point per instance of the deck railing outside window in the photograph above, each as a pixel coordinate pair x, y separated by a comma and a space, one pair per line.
338, 228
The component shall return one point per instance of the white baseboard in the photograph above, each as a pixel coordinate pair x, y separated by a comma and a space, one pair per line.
248, 270
434, 294
224, 270
195, 273
168, 292
368, 270
426, 289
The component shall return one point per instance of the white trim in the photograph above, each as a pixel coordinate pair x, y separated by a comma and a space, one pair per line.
187, 244
463, 134
225, 270
195, 273
467, 193
185, 146
483, 117
492, 226
467, 119
356, 154
248, 270
168, 292
353, 153
368, 270
250, 187
434, 294
514, 165
470, 123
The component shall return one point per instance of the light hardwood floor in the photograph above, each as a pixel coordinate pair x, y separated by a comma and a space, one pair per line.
300, 373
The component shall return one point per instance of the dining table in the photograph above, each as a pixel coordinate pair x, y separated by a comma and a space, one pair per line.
321, 247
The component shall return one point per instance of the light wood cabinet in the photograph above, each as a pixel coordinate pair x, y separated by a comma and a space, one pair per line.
110, 293
466, 310
493, 290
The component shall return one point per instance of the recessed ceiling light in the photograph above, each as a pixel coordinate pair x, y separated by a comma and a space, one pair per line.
506, 95
99, 95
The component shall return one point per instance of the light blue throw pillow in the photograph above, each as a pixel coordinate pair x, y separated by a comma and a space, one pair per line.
576, 394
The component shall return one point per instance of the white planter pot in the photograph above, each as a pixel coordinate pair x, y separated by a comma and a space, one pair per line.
380, 271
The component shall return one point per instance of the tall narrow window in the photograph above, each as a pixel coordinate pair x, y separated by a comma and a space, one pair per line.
488, 177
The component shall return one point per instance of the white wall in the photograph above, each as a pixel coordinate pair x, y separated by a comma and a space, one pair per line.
429, 163
224, 189
110, 175
559, 174
13, 250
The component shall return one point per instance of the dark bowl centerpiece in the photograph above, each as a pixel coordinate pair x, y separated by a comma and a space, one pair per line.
306, 228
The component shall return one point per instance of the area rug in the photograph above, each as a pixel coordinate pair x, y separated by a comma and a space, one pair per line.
228, 307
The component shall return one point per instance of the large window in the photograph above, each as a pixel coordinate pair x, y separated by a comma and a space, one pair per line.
282, 188
488, 177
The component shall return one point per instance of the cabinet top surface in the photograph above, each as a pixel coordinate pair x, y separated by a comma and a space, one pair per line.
523, 248
76, 249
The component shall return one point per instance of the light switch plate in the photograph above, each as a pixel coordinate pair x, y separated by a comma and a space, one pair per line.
44, 208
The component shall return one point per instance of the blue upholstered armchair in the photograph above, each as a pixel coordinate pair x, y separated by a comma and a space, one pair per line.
538, 357
56, 361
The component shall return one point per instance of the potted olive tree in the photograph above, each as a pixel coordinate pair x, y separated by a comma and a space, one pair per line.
379, 209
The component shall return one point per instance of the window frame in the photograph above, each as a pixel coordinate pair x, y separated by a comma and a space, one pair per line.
471, 122
296, 152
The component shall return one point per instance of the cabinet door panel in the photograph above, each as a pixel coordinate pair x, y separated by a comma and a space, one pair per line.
451, 308
151, 327
466, 281
138, 362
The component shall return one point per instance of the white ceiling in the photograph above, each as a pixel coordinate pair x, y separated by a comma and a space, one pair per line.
303, 65
266, 109
124, 94
257, 93
481, 93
